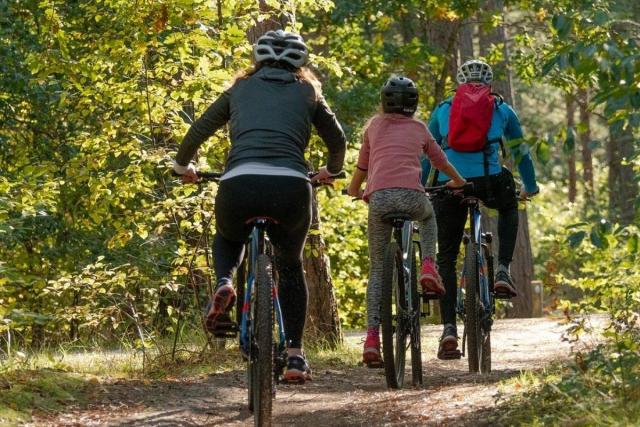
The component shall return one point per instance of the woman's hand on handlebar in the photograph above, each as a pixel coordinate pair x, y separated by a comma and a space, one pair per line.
188, 174
323, 176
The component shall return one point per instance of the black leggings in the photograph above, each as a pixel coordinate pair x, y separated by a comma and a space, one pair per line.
497, 192
287, 200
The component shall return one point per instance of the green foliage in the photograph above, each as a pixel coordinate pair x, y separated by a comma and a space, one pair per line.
600, 387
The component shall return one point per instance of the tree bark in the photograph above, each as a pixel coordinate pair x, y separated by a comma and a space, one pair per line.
571, 151
322, 320
623, 189
585, 144
443, 37
466, 40
522, 265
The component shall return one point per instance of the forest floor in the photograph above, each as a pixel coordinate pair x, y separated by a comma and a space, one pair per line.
339, 395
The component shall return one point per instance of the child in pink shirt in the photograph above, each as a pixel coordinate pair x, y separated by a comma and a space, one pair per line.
390, 161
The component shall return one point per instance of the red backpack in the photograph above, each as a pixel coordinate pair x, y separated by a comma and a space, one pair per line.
470, 117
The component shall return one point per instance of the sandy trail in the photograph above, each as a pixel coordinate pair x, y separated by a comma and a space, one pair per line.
353, 396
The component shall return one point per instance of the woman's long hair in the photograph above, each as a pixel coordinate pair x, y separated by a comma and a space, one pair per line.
302, 73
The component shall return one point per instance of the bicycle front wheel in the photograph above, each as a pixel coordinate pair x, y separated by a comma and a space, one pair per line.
472, 306
393, 312
261, 369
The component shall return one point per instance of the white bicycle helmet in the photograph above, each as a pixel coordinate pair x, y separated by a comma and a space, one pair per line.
474, 70
281, 46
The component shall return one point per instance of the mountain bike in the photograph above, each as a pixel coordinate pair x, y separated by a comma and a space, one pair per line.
257, 317
400, 305
476, 296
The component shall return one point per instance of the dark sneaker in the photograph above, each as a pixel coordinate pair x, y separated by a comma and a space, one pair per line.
298, 370
448, 348
503, 287
222, 301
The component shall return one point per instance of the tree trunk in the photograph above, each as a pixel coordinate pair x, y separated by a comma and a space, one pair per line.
275, 21
443, 37
522, 265
571, 151
585, 144
322, 321
623, 189
466, 40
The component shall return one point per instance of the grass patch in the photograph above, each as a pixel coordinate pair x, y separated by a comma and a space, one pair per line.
24, 391
323, 356
601, 387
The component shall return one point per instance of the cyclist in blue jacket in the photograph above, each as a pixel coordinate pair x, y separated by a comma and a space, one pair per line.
493, 184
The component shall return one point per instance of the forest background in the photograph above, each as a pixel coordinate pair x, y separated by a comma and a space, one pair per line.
101, 246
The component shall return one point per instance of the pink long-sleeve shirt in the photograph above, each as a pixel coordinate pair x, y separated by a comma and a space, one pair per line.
390, 152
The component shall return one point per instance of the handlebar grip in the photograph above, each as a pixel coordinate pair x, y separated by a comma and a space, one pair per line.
340, 175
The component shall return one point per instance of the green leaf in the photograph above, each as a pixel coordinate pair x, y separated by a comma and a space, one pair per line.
595, 237
576, 238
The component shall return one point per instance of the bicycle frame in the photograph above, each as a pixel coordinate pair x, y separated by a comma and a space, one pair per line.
483, 250
258, 244
404, 236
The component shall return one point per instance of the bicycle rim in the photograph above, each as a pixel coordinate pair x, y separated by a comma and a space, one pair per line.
393, 307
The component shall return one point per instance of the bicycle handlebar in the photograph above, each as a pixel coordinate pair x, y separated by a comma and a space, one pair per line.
443, 189
215, 176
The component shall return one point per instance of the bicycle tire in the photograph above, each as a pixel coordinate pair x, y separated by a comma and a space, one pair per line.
263, 369
416, 346
471, 306
393, 331
485, 358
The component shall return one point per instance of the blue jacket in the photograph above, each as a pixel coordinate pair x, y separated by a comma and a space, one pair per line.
505, 124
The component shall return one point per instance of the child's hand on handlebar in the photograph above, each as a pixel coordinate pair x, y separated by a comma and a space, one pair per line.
356, 193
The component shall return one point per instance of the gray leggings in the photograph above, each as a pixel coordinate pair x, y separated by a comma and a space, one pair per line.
382, 202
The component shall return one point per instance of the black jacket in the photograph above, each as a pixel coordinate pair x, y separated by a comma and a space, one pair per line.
270, 116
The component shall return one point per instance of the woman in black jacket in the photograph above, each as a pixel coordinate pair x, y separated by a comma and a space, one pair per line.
270, 110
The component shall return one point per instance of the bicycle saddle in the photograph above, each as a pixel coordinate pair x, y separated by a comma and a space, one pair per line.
396, 215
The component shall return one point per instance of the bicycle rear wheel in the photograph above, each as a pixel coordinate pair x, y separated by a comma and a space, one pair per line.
472, 306
261, 361
416, 347
393, 312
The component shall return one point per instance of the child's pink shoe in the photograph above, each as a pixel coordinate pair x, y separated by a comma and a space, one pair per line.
430, 278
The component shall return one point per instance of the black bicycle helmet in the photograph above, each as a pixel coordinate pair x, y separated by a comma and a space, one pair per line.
281, 46
399, 95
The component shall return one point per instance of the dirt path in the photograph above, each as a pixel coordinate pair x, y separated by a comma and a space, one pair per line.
345, 397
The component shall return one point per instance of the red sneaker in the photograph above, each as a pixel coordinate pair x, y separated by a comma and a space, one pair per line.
371, 354
220, 303
430, 278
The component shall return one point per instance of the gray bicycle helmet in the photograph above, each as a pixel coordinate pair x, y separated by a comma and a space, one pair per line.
399, 95
474, 70
281, 46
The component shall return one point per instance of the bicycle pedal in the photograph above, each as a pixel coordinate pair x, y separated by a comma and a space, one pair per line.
503, 295
375, 364
224, 328
450, 355
429, 296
